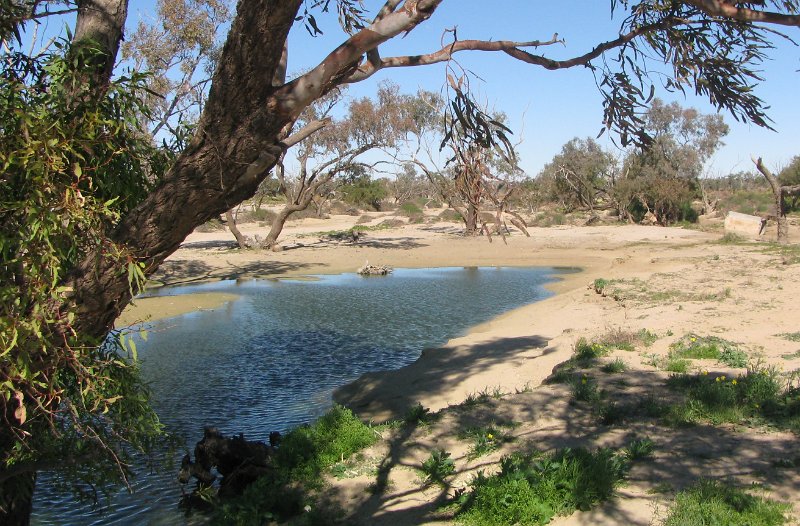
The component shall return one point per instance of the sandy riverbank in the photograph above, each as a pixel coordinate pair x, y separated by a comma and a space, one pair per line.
673, 282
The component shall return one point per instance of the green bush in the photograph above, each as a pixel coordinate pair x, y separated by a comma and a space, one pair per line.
712, 502
758, 396
532, 489
299, 463
585, 350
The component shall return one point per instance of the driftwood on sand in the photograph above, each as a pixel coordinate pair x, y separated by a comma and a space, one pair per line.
374, 270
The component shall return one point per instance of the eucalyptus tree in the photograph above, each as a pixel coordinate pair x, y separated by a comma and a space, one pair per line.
662, 176
713, 47
338, 147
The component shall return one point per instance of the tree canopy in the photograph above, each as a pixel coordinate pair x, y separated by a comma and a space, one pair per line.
78, 174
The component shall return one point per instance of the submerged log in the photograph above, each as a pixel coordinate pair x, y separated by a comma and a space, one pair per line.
240, 462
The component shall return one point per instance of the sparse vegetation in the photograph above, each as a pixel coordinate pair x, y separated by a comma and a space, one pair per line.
486, 439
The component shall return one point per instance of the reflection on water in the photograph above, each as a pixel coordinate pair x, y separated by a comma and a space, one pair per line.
270, 360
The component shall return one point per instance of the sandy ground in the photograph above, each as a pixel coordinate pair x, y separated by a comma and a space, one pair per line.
675, 281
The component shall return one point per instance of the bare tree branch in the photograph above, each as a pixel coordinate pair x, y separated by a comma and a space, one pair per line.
742, 14
374, 63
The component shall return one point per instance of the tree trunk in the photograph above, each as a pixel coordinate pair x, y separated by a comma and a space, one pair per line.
271, 242
231, 222
778, 193
236, 146
100, 23
471, 220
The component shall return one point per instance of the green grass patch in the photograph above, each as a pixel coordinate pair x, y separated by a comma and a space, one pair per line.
713, 502
438, 467
616, 366
791, 336
304, 455
486, 439
418, 415
585, 350
696, 347
531, 489
790, 254
759, 397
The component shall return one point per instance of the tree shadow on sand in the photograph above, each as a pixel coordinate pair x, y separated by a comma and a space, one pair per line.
547, 418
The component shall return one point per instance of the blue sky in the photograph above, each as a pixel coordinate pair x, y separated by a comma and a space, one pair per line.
547, 108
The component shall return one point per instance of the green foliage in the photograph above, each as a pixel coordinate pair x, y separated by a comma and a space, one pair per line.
419, 415
694, 346
438, 467
753, 202
308, 450
584, 350
73, 160
759, 397
584, 389
364, 192
616, 366
486, 439
303, 456
640, 448
533, 488
715, 502
600, 284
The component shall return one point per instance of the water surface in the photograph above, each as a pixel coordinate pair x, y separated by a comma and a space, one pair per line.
271, 359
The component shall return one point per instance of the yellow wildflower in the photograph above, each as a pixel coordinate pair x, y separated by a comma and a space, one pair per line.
583, 380
490, 436
718, 378
733, 382
694, 339
705, 373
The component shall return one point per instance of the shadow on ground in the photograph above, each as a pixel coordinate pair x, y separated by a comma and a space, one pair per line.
547, 418
185, 271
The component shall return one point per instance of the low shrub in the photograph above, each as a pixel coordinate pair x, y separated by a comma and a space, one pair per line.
760, 396
533, 488
304, 454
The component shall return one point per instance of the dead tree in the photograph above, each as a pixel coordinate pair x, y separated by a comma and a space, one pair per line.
779, 193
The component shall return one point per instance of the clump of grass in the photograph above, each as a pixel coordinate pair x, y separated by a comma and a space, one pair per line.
418, 415
616, 366
438, 467
791, 356
585, 390
758, 397
714, 502
646, 337
640, 448
612, 413
585, 350
732, 239
600, 284
533, 488
304, 455
486, 439
695, 347
676, 365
